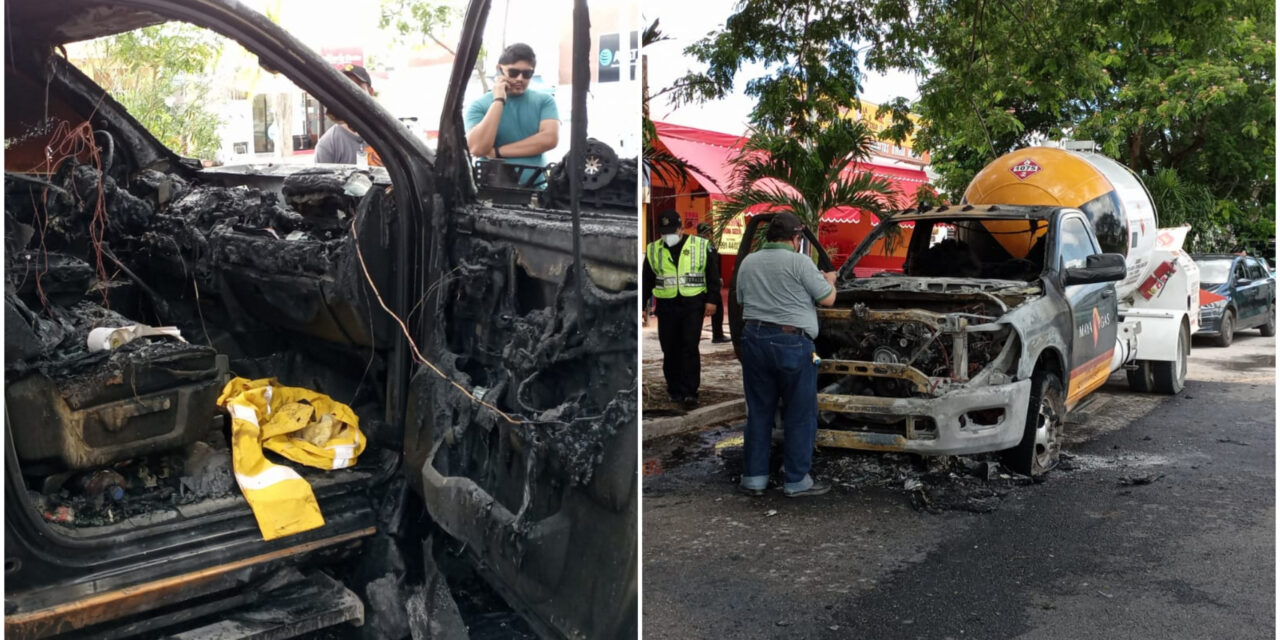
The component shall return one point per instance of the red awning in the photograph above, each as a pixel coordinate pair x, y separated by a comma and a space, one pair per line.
709, 151
712, 153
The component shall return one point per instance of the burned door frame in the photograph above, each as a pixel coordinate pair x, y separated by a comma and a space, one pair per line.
553, 530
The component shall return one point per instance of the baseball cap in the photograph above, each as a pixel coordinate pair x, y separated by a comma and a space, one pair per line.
785, 225
668, 222
358, 73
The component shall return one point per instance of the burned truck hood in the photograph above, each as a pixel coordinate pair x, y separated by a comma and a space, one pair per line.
1011, 292
904, 320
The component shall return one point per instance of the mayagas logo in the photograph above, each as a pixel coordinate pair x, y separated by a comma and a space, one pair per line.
1025, 168
1095, 324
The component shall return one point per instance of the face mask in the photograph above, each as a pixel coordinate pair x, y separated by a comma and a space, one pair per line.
671, 239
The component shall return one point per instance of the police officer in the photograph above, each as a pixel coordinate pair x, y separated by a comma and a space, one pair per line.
717, 318
680, 274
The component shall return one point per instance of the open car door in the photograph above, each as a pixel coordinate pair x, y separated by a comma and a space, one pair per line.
521, 426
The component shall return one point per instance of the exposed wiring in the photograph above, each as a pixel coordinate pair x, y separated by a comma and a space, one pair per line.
70, 142
417, 354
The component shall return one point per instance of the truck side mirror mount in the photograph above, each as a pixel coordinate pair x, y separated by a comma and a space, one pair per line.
1099, 267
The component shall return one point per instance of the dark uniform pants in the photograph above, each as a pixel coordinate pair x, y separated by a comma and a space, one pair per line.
679, 331
717, 321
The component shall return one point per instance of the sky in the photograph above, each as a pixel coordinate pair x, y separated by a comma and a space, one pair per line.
686, 25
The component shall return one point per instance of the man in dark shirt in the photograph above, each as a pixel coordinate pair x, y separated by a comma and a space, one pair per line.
680, 273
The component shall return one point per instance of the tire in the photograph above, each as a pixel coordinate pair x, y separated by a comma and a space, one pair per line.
1171, 377
1269, 329
1041, 443
1227, 331
1140, 380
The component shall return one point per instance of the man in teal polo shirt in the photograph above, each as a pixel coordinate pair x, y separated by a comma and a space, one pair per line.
512, 123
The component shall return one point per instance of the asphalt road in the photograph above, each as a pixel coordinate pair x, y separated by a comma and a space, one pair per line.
1160, 523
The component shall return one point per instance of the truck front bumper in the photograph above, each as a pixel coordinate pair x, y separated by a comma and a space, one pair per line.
962, 421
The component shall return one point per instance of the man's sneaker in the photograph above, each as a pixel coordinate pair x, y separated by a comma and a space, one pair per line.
689, 403
755, 493
817, 489
720, 340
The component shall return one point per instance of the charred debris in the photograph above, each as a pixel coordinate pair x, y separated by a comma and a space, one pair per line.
264, 283
244, 273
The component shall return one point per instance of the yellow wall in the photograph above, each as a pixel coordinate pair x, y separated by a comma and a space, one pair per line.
866, 113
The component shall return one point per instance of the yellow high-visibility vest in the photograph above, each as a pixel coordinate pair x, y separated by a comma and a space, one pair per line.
689, 278
302, 425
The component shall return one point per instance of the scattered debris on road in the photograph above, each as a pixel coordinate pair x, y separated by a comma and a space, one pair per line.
1134, 481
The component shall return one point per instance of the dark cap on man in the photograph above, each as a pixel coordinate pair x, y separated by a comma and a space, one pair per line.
784, 226
357, 73
668, 222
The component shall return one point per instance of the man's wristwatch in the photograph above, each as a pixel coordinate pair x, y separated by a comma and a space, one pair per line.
496, 153
502, 100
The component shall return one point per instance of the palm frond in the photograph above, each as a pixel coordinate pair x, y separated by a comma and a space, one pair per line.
814, 173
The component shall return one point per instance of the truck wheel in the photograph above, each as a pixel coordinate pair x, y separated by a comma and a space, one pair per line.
1041, 443
1269, 329
1171, 377
1140, 380
1227, 330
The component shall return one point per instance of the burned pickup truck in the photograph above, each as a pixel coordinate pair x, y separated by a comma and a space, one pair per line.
478, 359
1007, 314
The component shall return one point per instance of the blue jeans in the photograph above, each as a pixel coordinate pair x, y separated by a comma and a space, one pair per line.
778, 366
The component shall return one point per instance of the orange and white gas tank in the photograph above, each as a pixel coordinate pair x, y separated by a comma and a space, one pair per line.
1109, 194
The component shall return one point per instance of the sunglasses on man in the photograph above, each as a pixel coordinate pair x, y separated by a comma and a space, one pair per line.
518, 73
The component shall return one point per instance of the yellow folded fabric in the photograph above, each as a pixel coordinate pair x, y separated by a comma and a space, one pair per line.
302, 425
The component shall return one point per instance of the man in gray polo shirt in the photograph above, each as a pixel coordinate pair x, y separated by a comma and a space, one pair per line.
778, 287
340, 144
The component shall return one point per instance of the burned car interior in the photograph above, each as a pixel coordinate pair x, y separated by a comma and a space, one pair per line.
483, 334
977, 249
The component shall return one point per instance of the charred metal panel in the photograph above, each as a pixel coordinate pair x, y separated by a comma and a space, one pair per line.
609, 245
543, 502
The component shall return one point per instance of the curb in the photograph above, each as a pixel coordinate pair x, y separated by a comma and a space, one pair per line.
694, 420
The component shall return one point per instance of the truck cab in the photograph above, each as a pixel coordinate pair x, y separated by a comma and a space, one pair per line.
1006, 315
999, 324
1004, 319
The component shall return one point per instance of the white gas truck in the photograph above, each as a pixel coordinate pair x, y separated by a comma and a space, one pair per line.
1012, 307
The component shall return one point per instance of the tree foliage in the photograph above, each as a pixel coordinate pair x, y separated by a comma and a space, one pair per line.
657, 160
417, 22
807, 175
1181, 85
1162, 86
159, 74
808, 48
